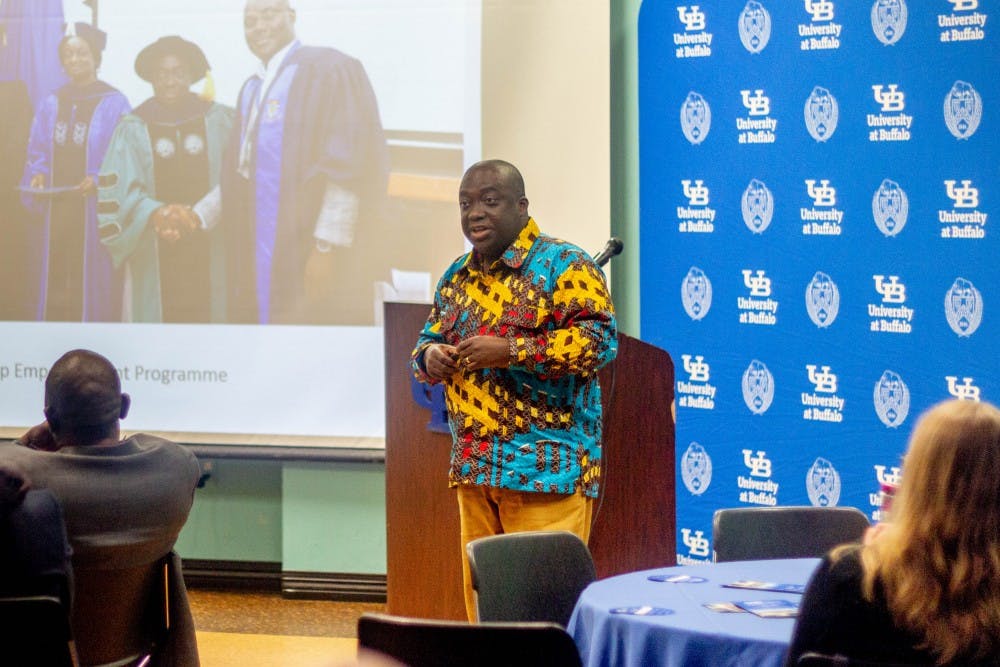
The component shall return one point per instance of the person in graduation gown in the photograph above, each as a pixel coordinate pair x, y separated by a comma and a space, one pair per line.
159, 200
72, 273
306, 170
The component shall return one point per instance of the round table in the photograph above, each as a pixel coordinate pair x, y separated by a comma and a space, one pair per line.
688, 634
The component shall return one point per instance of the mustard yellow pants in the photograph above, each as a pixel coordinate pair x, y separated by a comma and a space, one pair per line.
486, 510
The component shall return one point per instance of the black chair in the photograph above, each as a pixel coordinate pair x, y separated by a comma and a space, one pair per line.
822, 660
421, 642
35, 582
530, 576
120, 616
760, 533
34, 630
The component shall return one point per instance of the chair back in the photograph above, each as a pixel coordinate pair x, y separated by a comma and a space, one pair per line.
759, 533
119, 615
34, 630
434, 643
811, 659
530, 576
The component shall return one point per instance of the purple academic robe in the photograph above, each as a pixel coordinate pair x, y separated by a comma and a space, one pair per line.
319, 123
102, 284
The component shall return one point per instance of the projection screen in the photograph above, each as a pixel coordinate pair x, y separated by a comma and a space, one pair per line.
284, 372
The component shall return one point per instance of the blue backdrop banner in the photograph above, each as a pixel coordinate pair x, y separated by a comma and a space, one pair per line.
819, 194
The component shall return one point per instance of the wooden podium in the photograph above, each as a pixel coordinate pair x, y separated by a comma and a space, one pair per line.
634, 519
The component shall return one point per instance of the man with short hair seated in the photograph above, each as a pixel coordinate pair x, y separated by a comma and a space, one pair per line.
124, 500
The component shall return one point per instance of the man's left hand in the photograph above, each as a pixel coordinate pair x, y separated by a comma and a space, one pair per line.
483, 352
40, 437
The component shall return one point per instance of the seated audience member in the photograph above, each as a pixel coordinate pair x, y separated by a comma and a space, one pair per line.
34, 551
925, 588
124, 500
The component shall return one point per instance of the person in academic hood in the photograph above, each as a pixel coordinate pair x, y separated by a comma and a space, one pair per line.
159, 196
71, 275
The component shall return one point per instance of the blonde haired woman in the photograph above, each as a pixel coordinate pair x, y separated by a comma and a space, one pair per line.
925, 589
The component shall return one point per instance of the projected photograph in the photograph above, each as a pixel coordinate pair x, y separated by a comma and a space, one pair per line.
239, 161
220, 196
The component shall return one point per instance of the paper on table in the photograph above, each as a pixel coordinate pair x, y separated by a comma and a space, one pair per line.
767, 586
724, 607
770, 608
644, 610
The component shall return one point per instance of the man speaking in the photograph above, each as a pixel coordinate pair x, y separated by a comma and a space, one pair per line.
518, 330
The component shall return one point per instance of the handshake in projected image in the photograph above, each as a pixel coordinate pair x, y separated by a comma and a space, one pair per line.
183, 209
174, 221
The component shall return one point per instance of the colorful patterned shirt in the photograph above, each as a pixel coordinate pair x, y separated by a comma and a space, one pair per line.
536, 425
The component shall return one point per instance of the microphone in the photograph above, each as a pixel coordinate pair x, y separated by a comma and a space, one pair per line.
612, 248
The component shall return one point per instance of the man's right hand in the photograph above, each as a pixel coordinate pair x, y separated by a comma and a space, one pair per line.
40, 437
37, 182
441, 361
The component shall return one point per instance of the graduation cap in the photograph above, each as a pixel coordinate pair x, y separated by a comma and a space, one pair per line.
95, 38
187, 52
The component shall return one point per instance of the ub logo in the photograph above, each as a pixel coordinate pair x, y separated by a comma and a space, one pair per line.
963, 392
758, 387
194, 144
696, 542
79, 133
889, 20
823, 484
963, 307
884, 475
754, 27
890, 208
59, 134
692, 17
963, 197
697, 369
892, 399
696, 293
892, 291
821, 10
696, 118
963, 109
757, 282
824, 381
757, 205
696, 469
760, 465
696, 194
758, 104
964, 5
823, 195
889, 97
822, 300
165, 148
821, 114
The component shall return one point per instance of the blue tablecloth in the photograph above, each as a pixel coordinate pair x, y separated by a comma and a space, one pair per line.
692, 635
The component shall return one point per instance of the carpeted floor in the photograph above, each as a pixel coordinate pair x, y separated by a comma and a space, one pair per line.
270, 614
266, 630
